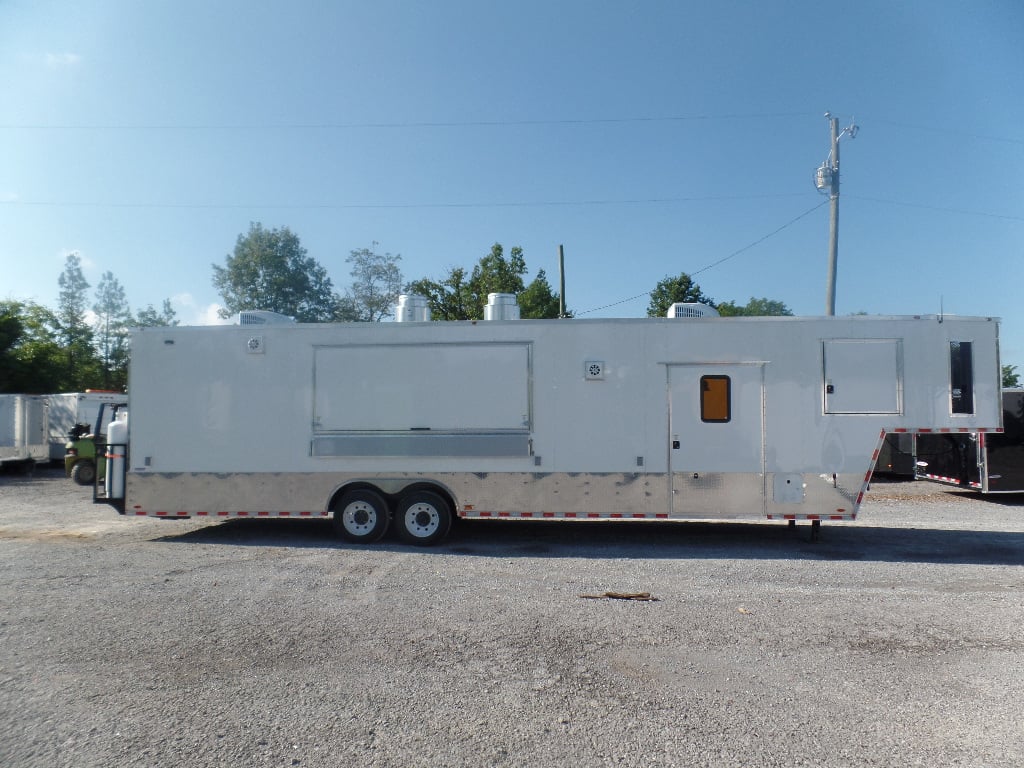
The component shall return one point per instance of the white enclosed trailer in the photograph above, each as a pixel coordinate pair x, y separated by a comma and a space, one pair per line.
23, 429
695, 418
71, 409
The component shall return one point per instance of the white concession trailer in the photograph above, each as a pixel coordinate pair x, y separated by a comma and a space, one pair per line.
413, 423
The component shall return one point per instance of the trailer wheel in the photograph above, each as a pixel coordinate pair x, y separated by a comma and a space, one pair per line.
423, 518
83, 473
361, 516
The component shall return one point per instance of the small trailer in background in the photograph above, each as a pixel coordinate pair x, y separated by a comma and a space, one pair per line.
410, 424
23, 430
984, 462
896, 457
75, 409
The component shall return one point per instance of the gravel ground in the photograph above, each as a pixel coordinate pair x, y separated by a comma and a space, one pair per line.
893, 641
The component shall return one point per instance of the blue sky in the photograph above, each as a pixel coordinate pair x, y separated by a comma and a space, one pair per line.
648, 138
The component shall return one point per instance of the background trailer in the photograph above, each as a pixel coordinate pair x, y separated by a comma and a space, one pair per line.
71, 409
23, 430
989, 463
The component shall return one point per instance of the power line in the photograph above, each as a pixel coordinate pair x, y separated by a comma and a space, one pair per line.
14, 203
952, 132
962, 211
413, 124
403, 124
715, 263
760, 240
360, 206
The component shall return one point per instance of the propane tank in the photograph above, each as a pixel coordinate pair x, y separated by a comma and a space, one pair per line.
117, 450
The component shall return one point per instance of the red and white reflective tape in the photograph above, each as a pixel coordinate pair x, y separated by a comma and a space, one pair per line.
239, 513
870, 472
470, 513
950, 480
842, 515
943, 430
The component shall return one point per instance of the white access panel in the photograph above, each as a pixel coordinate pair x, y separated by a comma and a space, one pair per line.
429, 387
863, 376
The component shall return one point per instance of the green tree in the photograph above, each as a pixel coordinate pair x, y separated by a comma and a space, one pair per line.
73, 329
495, 273
113, 319
458, 297
1010, 377
672, 290
377, 281
150, 318
270, 269
11, 330
754, 308
33, 360
447, 297
538, 301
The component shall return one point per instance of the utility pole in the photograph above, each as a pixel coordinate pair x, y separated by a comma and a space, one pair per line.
827, 179
561, 283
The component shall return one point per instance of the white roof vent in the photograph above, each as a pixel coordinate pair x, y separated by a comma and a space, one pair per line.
691, 309
412, 308
501, 306
261, 317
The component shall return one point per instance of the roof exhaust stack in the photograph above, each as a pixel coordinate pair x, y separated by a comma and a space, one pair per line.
412, 308
501, 306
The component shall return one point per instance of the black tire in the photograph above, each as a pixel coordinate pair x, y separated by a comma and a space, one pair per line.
423, 518
361, 516
84, 472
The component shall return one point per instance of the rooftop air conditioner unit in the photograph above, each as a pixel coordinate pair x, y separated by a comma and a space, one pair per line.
691, 309
262, 317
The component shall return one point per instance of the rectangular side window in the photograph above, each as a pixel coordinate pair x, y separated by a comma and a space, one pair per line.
961, 377
715, 399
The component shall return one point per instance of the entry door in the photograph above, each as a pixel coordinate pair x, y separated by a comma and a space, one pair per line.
716, 439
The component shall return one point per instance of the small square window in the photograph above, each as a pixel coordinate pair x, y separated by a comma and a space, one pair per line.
715, 399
